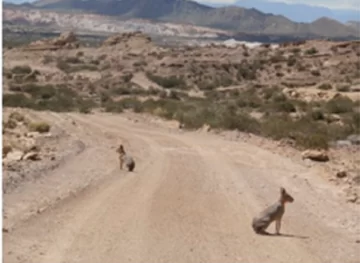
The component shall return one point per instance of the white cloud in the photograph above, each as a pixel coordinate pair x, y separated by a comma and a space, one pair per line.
336, 4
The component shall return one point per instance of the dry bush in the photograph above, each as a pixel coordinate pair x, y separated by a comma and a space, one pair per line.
325, 86
41, 127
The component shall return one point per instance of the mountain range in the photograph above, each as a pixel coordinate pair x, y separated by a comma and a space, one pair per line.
234, 18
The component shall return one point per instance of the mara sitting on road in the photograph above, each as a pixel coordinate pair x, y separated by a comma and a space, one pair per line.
124, 158
274, 212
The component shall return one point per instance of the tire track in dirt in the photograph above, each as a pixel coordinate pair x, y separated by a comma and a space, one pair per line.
191, 199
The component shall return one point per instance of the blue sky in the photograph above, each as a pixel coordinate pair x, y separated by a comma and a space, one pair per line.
334, 4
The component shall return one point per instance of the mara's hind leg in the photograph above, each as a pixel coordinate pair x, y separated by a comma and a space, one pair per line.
260, 230
131, 167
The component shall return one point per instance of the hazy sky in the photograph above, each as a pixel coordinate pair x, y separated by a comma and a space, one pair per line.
343, 4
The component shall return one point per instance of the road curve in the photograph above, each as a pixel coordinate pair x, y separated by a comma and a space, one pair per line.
191, 199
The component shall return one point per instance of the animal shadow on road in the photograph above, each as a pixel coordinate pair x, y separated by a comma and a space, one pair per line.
284, 235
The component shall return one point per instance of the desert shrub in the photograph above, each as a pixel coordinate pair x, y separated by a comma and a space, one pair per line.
268, 93
6, 150
284, 106
339, 104
80, 54
296, 50
313, 141
10, 124
17, 100
291, 61
173, 95
66, 66
81, 67
127, 77
206, 86
300, 67
85, 105
250, 101
317, 115
325, 86
21, 70
111, 106
39, 91
122, 90
196, 118
311, 51
276, 101
277, 58
40, 127
63, 66
166, 82
95, 62
7, 74
16, 116
343, 88
239, 121
246, 71
131, 103
72, 60
305, 132
315, 73
224, 81
47, 59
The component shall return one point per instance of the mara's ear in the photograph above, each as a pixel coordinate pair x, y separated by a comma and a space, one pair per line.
282, 190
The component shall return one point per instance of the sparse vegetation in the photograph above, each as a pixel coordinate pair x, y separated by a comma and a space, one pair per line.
41, 127
339, 104
325, 86
167, 82
311, 51
17, 116
251, 103
343, 88
21, 70
6, 150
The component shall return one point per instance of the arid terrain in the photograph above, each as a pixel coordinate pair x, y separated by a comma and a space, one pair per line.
215, 131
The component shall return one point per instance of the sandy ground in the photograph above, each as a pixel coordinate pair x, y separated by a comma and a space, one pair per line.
191, 198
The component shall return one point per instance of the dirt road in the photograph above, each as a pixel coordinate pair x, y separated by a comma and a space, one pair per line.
191, 199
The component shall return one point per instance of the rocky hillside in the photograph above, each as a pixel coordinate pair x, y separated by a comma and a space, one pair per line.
185, 11
313, 85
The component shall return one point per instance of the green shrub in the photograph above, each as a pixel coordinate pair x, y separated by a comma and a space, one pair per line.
339, 104
325, 86
311, 51
291, 61
343, 88
17, 100
41, 127
6, 150
16, 116
246, 72
305, 132
10, 124
21, 70
317, 115
39, 91
166, 82
315, 73
73, 60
